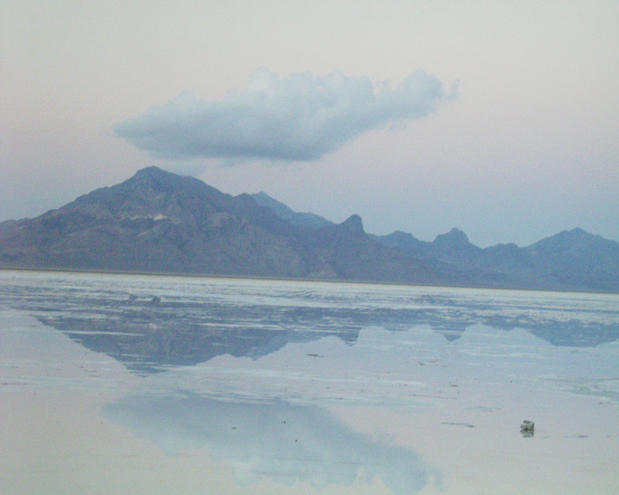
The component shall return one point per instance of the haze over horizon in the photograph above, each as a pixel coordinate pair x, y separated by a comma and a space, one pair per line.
500, 119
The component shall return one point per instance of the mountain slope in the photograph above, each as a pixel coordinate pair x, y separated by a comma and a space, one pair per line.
570, 260
157, 221
577, 258
286, 213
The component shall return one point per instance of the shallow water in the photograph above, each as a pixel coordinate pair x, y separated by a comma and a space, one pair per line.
147, 384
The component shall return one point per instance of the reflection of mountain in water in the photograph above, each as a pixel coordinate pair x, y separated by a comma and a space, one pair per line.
148, 338
283, 442
178, 327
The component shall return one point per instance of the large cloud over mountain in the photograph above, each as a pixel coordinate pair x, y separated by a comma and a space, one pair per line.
300, 117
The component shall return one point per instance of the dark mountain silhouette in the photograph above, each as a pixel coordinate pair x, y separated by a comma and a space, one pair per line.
569, 260
157, 221
161, 222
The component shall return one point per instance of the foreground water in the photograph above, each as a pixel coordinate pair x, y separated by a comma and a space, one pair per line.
116, 384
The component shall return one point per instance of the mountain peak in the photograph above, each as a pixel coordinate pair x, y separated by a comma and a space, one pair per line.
152, 175
353, 224
578, 233
569, 239
161, 180
153, 172
455, 237
150, 170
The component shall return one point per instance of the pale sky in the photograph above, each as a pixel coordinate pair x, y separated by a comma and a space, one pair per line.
500, 118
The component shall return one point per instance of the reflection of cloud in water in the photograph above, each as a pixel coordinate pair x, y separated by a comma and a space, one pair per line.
280, 441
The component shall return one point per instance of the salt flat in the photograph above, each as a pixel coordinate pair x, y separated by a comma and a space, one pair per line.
120, 383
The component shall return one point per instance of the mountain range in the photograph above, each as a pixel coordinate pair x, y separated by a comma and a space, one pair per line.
160, 222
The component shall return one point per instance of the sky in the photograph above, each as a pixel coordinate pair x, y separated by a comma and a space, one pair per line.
500, 118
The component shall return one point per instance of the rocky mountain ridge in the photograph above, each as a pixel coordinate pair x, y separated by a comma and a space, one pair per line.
158, 221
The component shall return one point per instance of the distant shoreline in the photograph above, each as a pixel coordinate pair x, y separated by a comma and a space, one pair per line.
289, 279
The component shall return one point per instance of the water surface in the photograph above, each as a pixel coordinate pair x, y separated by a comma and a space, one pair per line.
147, 384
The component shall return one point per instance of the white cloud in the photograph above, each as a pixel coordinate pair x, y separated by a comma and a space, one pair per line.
301, 117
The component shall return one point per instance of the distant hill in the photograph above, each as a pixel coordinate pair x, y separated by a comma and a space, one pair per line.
570, 260
158, 221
